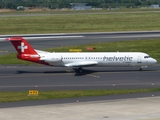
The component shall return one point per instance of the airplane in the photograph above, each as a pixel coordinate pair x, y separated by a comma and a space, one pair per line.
80, 59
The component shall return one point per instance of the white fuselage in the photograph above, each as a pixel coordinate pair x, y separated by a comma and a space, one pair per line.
110, 59
82, 59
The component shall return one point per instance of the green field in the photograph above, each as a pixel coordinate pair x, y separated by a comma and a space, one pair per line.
66, 23
44, 95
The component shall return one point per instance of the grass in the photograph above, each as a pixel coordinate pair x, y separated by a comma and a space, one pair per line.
66, 23
12, 59
44, 95
148, 46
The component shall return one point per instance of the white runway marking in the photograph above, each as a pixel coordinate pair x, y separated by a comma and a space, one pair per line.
4, 39
157, 35
53, 37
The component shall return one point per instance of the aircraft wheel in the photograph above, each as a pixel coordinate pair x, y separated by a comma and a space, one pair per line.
80, 70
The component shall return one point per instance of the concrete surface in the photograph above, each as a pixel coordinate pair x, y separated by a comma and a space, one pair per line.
122, 109
24, 78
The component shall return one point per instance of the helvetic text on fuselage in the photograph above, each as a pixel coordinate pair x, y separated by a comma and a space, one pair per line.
125, 58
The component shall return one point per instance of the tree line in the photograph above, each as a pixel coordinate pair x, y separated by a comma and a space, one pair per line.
54, 4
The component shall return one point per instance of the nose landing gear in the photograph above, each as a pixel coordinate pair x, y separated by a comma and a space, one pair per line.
141, 68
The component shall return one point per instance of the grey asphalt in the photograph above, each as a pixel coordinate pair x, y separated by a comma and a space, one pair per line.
138, 106
59, 40
24, 78
54, 13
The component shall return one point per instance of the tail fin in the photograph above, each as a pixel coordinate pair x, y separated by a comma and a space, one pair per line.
25, 50
22, 46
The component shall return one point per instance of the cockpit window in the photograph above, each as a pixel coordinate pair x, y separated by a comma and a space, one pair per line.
146, 56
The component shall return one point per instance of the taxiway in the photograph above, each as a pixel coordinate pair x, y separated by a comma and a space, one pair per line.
142, 106
22, 78
44, 41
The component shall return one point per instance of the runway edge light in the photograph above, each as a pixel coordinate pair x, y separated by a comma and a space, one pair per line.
33, 93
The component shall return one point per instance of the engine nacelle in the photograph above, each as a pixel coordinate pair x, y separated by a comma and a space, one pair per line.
51, 58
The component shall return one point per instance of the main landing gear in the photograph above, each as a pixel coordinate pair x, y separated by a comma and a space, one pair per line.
140, 69
80, 70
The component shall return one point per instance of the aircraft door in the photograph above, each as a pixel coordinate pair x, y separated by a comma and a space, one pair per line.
139, 60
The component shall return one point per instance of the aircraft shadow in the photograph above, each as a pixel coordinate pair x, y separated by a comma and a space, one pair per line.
85, 72
47, 72
77, 73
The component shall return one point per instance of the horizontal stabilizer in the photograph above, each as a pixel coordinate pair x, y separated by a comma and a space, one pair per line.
40, 51
14, 39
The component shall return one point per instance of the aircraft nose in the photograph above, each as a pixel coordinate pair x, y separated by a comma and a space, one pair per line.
154, 61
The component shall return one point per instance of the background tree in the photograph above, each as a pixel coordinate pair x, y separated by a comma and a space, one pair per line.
12, 4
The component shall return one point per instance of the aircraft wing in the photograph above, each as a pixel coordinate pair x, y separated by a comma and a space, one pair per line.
81, 64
